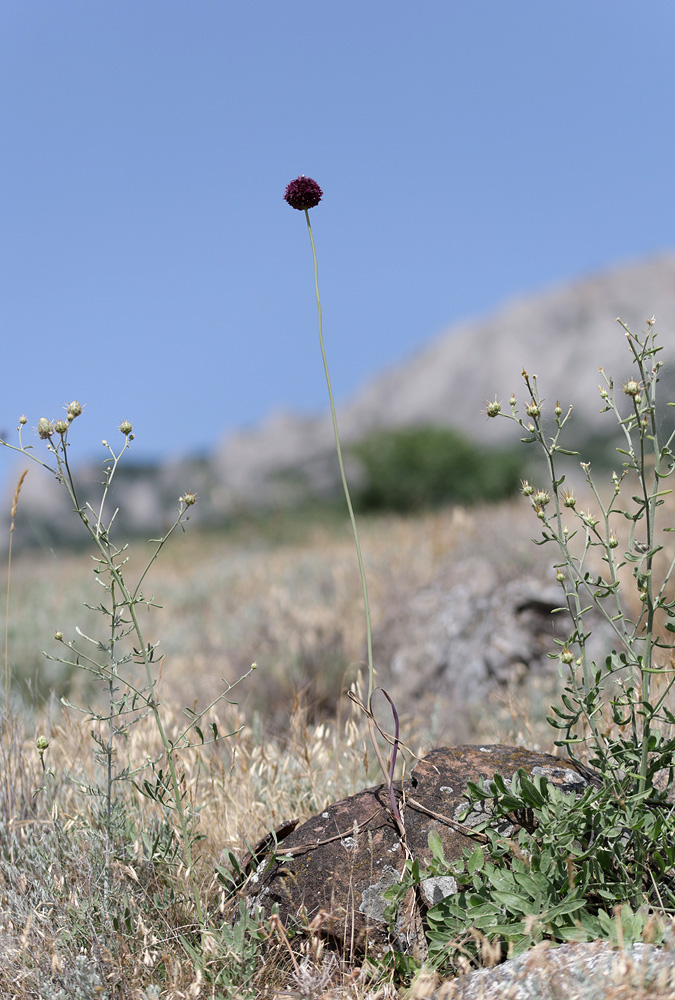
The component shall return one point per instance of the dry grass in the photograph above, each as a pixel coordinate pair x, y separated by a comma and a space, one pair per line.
61, 925
69, 930
293, 607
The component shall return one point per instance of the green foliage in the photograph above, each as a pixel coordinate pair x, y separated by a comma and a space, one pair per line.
234, 955
413, 468
125, 664
553, 866
601, 864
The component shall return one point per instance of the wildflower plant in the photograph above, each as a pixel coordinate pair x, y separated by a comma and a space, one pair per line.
302, 194
634, 683
114, 660
561, 866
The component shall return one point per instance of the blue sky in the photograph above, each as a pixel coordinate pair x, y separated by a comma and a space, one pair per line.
468, 152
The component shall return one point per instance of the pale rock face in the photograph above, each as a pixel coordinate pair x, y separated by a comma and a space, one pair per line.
563, 335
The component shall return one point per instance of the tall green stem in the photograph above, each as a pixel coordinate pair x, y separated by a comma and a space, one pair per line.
366, 604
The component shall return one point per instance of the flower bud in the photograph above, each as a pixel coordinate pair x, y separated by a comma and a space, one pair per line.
73, 409
61, 426
126, 428
45, 428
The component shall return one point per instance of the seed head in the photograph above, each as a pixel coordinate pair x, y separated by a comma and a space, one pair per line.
45, 428
303, 193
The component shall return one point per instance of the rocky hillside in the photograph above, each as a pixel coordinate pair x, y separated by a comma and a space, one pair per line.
563, 335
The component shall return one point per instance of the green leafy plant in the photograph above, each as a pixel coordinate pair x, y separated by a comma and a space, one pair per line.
124, 662
554, 866
601, 864
633, 684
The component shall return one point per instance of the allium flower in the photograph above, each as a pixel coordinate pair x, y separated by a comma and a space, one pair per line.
303, 193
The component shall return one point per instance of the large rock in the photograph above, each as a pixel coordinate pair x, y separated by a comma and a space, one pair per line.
592, 970
331, 873
449, 644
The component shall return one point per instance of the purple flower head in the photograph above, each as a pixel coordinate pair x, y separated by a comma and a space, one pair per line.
303, 193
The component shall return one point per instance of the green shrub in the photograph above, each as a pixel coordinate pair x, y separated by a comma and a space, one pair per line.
600, 865
412, 468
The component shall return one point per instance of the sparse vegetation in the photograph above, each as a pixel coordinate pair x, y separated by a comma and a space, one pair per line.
570, 867
128, 827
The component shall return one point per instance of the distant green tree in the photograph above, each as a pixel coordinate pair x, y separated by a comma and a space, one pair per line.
413, 468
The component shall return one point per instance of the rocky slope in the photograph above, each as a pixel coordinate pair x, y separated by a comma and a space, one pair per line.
563, 335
